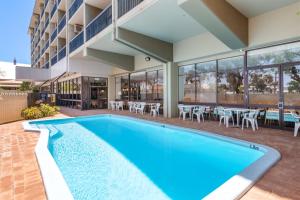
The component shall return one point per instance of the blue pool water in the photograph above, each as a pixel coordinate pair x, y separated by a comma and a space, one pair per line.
111, 157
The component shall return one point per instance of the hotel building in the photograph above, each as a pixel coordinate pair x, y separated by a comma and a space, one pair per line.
213, 52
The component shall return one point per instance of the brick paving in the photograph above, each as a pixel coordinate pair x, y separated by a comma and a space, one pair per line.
20, 177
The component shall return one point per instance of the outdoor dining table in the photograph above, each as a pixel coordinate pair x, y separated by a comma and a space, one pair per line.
238, 112
191, 107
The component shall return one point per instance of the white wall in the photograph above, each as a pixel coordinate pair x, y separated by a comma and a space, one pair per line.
59, 68
89, 67
277, 25
32, 74
198, 46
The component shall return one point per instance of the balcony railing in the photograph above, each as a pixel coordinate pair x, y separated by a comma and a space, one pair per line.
62, 53
46, 65
54, 60
53, 35
45, 27
74, 7
62, 23
58, 2
53, 9
124, 6
76, 42
102, 21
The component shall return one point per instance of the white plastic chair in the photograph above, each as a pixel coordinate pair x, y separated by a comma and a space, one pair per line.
155, 109
112, 105
183, 111
131, 106
140, 108
120, 105
199, 112
226, 115
252, 118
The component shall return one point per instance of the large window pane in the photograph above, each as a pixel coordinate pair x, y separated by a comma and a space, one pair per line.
206, 78
291, 85
187, 86
125, 87
263, 86
160, 85
151, 85
138, 86
274, 55
230, 81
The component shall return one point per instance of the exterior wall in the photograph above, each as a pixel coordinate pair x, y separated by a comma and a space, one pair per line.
277, 25
59, 68
11, 105
89, 68
28, 73
198, 46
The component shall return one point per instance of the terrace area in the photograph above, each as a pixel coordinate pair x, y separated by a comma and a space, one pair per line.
20, 176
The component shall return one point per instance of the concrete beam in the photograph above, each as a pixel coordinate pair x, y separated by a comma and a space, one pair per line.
119, 60
219, 18
158, 49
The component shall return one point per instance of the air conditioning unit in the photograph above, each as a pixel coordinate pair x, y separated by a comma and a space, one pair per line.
77, 28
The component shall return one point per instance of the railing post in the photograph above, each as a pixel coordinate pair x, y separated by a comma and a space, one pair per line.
114, 18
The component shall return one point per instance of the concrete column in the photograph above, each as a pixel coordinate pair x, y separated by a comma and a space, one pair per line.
170, 90
111, 89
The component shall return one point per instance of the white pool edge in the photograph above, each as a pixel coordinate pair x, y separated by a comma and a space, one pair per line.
55, 185
234, 188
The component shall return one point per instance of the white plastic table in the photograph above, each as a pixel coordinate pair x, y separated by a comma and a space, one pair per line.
238, 112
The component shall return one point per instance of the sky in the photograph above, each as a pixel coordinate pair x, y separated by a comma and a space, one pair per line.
14, 39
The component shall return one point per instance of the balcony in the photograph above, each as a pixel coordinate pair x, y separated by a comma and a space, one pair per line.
46, 65
76, 42
62, 23
45, 27
74, 7
54, 60
103, 20
124, 6
53, 9
62, 53
53, 35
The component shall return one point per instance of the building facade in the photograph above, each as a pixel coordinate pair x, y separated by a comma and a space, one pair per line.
227, 52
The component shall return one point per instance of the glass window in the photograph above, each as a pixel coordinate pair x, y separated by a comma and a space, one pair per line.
187, 84
151, 85
206, 78
138, 86
98, 82
230, 81
263, 86
274, 55
125, 87
160, 85
291, 85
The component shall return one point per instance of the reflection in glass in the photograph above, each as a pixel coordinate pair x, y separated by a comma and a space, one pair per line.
291, 85
138, 86
263, 86
274, 55
206, 82
160, 85
187, 84
230, 81
151, 85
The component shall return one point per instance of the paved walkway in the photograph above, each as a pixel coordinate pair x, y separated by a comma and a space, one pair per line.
20, 177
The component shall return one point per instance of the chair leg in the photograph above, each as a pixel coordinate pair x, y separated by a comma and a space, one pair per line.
252, 125
243, 121
296, 130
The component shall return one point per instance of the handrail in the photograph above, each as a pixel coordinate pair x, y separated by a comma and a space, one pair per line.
99, 23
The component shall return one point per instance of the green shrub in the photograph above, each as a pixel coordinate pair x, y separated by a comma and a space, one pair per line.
36, 112
48, 110
32, 113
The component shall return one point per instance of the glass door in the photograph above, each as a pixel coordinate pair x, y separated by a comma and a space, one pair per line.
290, 94
264, 94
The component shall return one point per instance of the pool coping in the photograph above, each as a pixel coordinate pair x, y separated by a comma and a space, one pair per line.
234, 188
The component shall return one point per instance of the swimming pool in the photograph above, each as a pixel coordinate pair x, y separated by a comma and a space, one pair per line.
114, 157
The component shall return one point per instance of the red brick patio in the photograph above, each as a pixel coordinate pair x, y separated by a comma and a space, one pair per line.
20, 177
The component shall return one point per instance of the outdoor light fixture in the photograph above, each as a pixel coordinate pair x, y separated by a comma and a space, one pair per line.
147, 59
